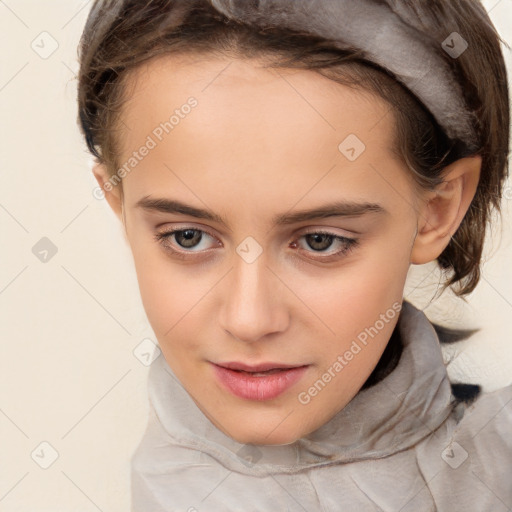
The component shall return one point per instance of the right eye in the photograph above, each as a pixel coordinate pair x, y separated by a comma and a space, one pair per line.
185, 240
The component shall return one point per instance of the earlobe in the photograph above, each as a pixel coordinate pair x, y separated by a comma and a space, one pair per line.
113, 194
444, 208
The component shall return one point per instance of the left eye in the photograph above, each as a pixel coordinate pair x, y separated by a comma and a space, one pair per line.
321, 241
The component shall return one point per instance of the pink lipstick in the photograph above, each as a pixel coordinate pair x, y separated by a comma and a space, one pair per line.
264, 381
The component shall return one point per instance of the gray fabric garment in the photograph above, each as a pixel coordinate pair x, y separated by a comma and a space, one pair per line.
400, 445
387, 37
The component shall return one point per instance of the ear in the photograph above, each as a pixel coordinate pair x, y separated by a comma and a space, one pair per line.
443, 208
113, 193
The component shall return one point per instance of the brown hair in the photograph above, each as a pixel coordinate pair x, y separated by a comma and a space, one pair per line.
121, 34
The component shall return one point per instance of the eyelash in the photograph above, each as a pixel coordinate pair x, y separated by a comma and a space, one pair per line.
348, 243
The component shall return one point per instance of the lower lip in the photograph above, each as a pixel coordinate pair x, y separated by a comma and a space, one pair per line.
260, 388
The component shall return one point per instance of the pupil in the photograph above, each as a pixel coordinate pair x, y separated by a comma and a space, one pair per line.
315, 241
190, 236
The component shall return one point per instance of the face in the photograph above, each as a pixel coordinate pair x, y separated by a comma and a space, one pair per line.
271, 227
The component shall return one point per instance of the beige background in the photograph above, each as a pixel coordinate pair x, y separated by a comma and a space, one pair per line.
71, 374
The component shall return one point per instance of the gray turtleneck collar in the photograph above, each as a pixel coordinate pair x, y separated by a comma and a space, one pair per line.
403, 444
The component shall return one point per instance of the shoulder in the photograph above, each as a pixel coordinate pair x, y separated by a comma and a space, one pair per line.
487, 422
481, 424
467, 461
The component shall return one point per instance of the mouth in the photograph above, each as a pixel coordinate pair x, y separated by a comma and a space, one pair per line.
258, 382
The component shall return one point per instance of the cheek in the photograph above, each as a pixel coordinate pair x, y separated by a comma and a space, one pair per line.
353, 296
165, 291
176, 299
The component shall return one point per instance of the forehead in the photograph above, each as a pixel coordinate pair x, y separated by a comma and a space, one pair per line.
242, 92
282, 125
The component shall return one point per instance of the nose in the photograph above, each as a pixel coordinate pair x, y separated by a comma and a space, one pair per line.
253, 305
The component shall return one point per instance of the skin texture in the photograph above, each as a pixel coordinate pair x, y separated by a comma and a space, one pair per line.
262, 142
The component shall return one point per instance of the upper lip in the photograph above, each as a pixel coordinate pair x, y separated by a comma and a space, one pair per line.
262, 367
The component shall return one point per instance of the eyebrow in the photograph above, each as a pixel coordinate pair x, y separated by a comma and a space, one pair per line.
336, 209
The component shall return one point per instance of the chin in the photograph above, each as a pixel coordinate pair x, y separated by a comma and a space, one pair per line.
264, 434
258, 439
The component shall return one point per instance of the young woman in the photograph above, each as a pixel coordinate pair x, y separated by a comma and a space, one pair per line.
278, 166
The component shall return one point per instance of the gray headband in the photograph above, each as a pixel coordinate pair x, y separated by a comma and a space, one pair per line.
386, 40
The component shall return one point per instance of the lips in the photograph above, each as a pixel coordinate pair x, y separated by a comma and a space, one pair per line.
263, 381
262, 367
